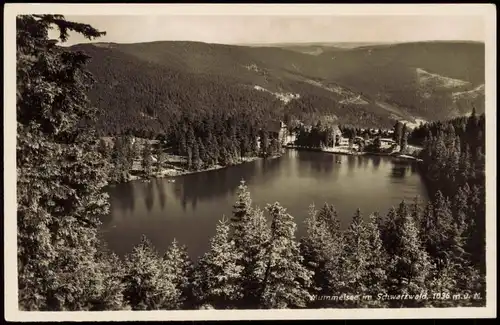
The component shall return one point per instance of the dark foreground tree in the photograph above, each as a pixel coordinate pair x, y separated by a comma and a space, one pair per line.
320, 250
179, 265
410, 264
150, 283
251, 236
216, 277
286, 281
61, 172
354, 260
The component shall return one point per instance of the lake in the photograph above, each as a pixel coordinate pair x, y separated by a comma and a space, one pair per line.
189, 209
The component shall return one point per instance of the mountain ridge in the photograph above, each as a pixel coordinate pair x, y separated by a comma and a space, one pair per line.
348, 83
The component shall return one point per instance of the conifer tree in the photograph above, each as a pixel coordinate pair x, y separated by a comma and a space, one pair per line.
242, 211
148, 283
254, 143
178, 263
147, 159
442, 282
134, 148
427, 229
398, 132
216, 277
60, 172
104, 149
286, 280
410, 263
251, 236
197, 163
443, 228
212, 149
255, 244
388, 231
162, 161
416, 211
130, 153
109, 288
404, 138
328, 216
477, 237
203, 153
377, 264
120, 170
354, 259
320, 252
460, 208
264, 143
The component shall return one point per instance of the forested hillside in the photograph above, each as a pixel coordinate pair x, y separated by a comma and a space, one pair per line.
144, 86
141, 97
399, 74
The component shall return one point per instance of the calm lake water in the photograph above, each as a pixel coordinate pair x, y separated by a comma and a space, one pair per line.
189, 209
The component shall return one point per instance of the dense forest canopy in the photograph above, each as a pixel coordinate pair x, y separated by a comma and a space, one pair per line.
143, 87
432, 249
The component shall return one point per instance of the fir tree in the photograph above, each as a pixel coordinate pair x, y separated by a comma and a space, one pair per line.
354, 259
404, 138
443, 283
328, 216
147, 159
120, 170
427, 229
416, 211
203, 153
149, 285
410, 264
242, 210
130, 151
217, 275
443, 228
264, 143
178, 264
162, 161
398, 132
319, 251
104, 149
60, 172
377, 264
388, 231
109, 289
477, 240
251, 236
255, 244
286, 280
197, 162
459, 210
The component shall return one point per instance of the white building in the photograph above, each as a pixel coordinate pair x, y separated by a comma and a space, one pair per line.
343, 141
387, 142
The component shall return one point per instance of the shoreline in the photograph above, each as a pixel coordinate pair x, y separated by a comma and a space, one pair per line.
176, 172
354, 153
173, 172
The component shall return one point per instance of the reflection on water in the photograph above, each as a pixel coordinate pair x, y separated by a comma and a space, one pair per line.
376, 161
150, 196
160, 185
398, 170
189, 208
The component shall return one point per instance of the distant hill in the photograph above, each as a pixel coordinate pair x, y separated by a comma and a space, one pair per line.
366, 84
397, 74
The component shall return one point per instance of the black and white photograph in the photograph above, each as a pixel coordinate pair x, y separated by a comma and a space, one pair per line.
249, 161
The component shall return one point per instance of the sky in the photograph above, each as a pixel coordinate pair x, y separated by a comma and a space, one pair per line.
230, 29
